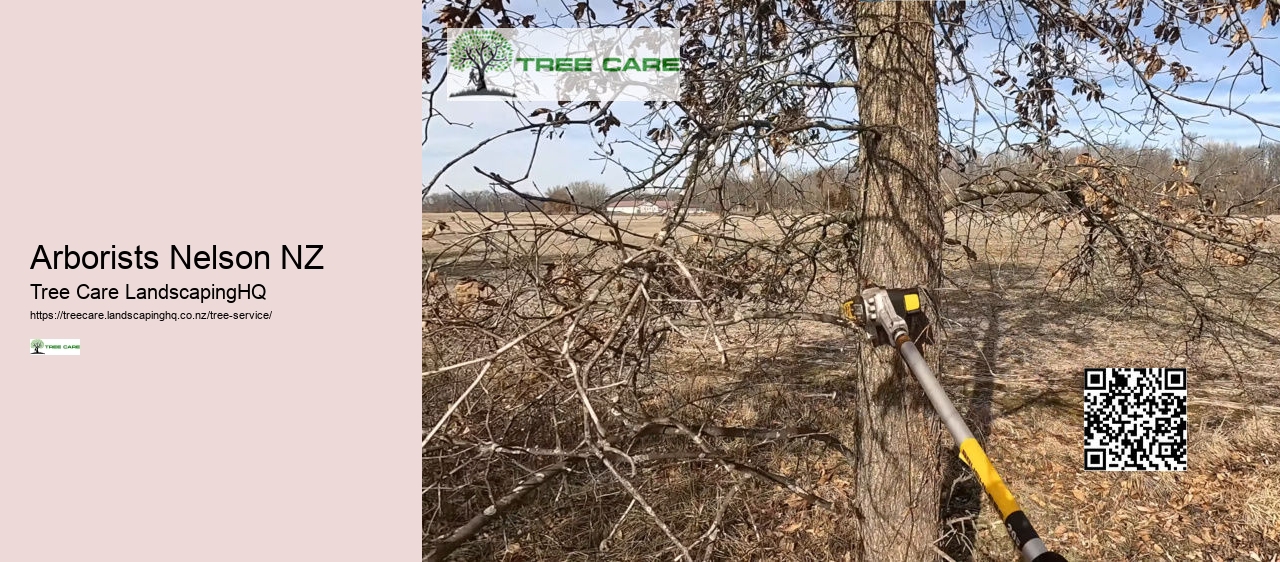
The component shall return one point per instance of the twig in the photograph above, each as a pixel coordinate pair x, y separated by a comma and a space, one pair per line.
635, 495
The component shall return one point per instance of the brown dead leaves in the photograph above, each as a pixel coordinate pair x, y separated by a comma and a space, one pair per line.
1229, 257
469, 291
439, 226
1096, 200
1181, 212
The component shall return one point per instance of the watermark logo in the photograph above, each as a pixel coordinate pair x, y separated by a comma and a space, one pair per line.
480, 53
54, 347
569, 65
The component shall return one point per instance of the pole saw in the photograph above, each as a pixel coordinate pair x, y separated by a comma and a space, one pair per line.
894, 317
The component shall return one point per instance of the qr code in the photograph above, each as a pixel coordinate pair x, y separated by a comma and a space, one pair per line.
1135, 419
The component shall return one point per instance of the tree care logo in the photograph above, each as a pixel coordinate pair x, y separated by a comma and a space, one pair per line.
569, 65
54, 347
480, 53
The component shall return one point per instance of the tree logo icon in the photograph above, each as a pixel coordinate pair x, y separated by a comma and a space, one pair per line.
480, 52
36, 346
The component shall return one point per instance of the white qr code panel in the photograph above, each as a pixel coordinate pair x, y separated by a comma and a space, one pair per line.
1135, 419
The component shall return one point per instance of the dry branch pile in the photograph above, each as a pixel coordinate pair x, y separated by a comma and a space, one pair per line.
542, 374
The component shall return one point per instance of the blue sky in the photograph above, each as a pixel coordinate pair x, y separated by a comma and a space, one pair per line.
572, 157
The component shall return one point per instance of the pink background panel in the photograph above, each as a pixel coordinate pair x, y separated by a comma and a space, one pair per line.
243, 124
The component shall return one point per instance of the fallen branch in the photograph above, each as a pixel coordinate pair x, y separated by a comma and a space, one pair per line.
499, 508
668, 427
734, 466
771, 315
635, 495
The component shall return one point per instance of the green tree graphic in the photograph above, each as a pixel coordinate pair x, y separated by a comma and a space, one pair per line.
480, 51
36, 345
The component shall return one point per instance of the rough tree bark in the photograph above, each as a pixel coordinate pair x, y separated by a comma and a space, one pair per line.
898, 436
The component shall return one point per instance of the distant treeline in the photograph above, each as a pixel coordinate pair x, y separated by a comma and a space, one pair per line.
1229, 173
576, 196
483, 201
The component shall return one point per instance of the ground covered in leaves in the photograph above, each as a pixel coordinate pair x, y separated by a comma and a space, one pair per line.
1013, 359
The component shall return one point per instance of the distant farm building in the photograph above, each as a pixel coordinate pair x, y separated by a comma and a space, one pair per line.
643, 207
635, 207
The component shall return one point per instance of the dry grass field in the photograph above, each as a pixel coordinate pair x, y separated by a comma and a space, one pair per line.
460, 229
1013, 355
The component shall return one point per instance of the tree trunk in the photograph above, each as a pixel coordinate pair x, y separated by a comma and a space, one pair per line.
898, 436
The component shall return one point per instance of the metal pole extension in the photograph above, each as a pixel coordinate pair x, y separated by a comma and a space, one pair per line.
1016, 523
878, 313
